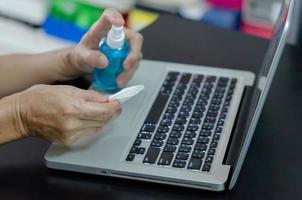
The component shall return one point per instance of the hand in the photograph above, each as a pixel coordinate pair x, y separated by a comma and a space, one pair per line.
85, 56
63, 114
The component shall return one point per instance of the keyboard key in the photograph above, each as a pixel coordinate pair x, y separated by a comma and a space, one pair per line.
137, 150
222, 84
177, 127
206, 167
183, 114
211, 79
227, 103
171, 110
224, 79
185, 78
174, 104
205, 133
210, 120
195, 121
216, 137
198, 78
185, 109
195, 163
166, 122
192, 127
190, 134
141, 150
200, 147
170, 148
187, 141
185, 148
130, 157
157, 109
169, 116
218, 96
181, 120
234, 81
218, 130
165, 158
145, 136
151, 155
212, 113
163, 129
172, 76
137, 142
198, 154
216, 101
160, 136
179, 164
134, 150
175, 134
220, 123
214, 107
207, 126
211, 151
148, 128
224, 110
157, 143
173, 141
214, 144
182, 156
203, 140
209, 159
222, 116
197, 114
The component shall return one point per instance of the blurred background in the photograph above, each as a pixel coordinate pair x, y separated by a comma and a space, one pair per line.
41, 25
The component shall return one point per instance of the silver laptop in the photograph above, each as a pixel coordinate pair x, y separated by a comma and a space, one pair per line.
191, 126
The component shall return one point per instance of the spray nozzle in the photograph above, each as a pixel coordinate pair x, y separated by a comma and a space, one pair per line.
116, 37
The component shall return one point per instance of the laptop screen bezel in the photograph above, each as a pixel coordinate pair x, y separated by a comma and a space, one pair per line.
271, 62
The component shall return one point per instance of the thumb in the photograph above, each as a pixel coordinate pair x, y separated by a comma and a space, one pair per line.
93, 58
100, 28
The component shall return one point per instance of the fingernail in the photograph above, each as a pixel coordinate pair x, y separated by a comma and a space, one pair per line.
103, 61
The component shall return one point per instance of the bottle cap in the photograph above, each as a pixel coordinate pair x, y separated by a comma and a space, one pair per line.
116, 37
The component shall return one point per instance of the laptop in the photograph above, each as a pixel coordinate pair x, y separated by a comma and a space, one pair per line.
190, 127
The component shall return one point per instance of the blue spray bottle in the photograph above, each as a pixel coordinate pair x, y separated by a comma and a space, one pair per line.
116, 49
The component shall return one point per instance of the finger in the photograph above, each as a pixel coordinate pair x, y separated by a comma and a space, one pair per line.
93, 58
92, 96
127, 75
102, 112
136, 41
100, 28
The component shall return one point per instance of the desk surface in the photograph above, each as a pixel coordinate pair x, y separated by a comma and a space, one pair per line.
273, 165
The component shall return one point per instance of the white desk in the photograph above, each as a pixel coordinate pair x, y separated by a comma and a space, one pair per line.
16, 37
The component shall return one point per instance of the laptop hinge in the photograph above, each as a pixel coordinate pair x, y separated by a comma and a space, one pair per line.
238, 131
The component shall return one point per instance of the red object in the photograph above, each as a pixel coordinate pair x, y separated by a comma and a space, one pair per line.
126, 18
256, 30
230, 4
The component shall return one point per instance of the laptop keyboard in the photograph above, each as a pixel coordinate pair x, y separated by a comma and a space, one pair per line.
183, 127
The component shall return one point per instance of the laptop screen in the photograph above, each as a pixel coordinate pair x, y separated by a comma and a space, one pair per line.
264, 79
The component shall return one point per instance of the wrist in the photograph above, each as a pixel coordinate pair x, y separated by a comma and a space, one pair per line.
12, 126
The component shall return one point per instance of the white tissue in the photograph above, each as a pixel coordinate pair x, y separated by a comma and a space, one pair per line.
127, 93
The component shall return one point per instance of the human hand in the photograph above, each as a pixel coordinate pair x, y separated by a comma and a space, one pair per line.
63, 114
86, 55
